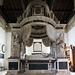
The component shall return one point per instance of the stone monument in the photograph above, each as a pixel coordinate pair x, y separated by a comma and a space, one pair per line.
37, 22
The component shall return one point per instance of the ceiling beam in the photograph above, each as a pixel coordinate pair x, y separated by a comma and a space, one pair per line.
74, 4
62, 11
2, 14
11, 10
22, 3
71, 15
73, 12
1, 2
52, 4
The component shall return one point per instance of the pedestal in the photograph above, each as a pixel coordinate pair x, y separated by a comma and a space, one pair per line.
13, 64
62, 64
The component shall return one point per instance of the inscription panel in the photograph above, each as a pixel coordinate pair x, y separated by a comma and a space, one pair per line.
38, 66
13, 65
62, 65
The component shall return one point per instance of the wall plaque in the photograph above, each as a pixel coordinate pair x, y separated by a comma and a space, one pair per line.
37, 47
62, 65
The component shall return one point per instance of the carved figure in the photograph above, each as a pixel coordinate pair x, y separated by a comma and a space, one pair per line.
16, 39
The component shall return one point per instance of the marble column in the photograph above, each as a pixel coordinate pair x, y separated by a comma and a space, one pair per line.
53, 48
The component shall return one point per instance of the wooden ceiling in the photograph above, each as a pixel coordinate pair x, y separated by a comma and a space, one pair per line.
11, 9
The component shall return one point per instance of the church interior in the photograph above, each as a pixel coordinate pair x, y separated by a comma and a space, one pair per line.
37, 37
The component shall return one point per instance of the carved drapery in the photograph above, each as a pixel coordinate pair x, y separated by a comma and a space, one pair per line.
29, 42
50, 31
46, 41
26, 31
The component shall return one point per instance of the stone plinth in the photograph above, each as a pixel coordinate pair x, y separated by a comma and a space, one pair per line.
13, 61
39, 60
32, 74
62, 64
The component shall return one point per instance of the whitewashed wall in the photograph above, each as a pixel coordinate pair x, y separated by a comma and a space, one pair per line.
8, 44
71, 37
2, 41
2, 37
5, 38
8, 48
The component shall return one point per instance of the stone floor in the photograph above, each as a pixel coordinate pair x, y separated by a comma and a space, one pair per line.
72, 73
64, 73
41, 74
59, 73
32, 74
3, 72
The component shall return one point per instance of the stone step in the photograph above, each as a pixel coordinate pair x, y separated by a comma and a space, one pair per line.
41, 74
